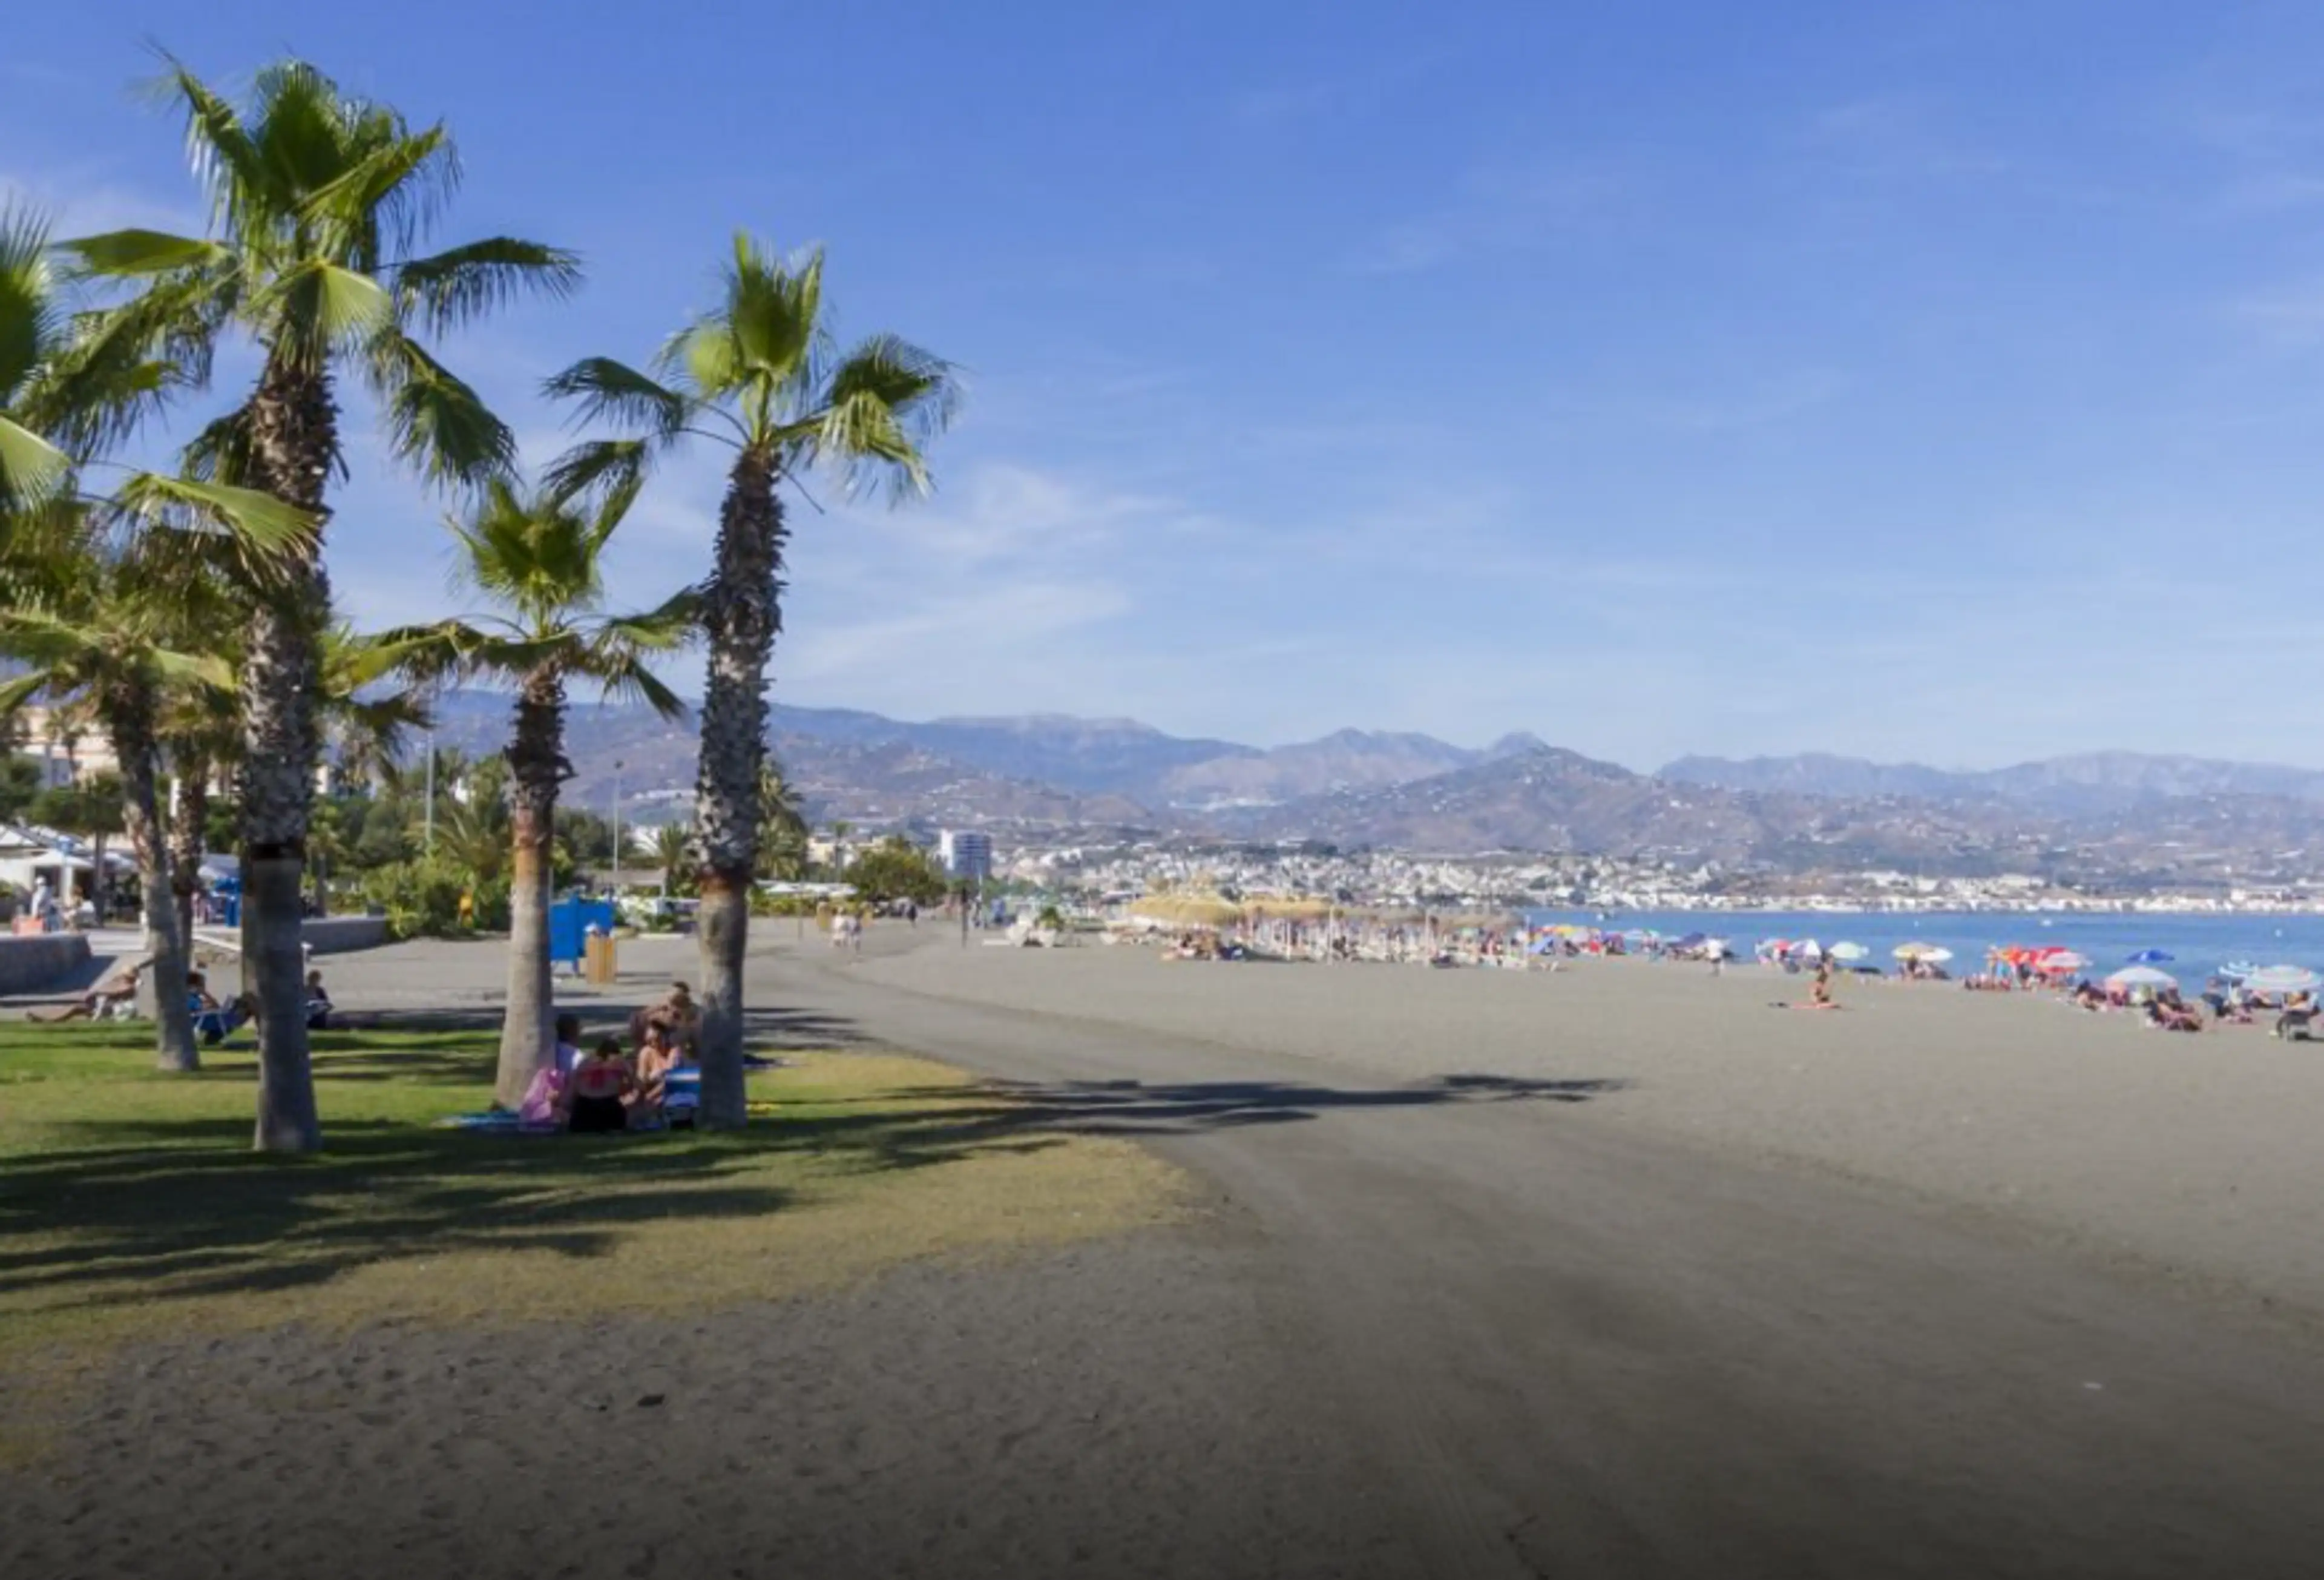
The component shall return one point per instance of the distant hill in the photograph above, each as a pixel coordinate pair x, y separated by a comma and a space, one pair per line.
2090, 783
1550, 799
2132, 817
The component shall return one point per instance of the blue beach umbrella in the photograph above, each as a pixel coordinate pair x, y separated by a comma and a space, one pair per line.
2152, 958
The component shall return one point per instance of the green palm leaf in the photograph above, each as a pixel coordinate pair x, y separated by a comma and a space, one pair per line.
460, 284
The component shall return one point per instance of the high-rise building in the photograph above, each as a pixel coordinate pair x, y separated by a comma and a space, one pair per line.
965, 853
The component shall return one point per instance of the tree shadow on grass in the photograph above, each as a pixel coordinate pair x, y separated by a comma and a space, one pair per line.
131, 1210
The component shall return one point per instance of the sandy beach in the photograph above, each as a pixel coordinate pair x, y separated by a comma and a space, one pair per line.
2189, 1157
1610, 1271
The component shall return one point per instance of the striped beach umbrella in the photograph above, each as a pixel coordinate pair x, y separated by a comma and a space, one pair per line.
2283, 979
2152, 958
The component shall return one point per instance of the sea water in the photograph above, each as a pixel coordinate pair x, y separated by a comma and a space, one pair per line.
2198, 943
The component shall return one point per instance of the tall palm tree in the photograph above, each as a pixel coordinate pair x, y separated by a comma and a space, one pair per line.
540, 558
318, 199
759, 373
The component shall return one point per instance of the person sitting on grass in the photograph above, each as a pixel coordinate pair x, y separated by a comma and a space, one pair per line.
680, 1017
659, 1053
214, 1022
593, 1101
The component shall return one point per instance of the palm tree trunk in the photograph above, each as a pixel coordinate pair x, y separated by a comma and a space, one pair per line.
186, 841
129, 719
97, 884
294, 436
537, 767
743, 612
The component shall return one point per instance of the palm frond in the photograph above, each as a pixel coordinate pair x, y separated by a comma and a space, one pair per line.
461, 284
396, 183
18, 691
881, 402
316, 309
604, 466
264, 528
31, 315
672, 624
603, 390
31, 469
137, 253
225, 159
221, 451
627, 679
435, 420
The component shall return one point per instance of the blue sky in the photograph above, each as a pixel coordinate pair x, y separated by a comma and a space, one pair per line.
1943, 382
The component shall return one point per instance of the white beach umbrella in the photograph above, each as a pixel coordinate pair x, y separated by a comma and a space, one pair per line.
2142, 977
1808, 950
1937, 954
1848, 952
2283, 979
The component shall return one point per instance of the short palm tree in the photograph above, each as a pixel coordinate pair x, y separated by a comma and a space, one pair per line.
759, 373
367, 711
113, 626
318, 201
782, 826
673, 847
541, 560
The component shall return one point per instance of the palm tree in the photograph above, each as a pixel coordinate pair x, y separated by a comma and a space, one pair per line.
759, 373
318, 201
97, 595
673, 847
541, 558
106, 628
782, 826
366, 712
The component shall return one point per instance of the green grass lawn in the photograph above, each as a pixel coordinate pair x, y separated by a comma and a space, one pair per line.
130, 1202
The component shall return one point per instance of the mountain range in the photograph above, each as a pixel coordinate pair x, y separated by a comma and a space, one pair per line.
2149, 817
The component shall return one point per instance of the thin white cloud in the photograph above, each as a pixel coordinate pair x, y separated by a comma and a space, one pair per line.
83, 202
1501, 206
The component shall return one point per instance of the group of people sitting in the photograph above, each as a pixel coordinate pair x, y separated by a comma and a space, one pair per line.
115, 998
609, 1088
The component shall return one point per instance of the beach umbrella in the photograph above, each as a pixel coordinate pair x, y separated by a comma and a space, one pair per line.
2151, 958
1851, 953
2283, 979
2058, 962
2237, 969
2141, 976
1934, 954
1808, 950
1690, 941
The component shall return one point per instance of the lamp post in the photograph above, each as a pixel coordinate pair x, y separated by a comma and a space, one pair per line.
617, 827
